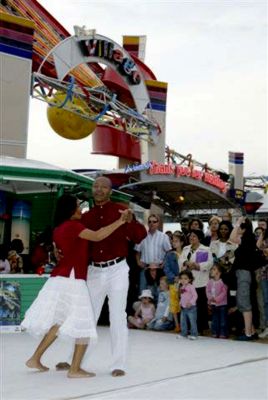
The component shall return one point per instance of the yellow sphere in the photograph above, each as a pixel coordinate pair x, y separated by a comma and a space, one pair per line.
66, 123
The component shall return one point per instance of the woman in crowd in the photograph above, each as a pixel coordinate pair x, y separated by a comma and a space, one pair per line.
212, 234
244, 266
223, 249
198, 259
63, 306
196, 223
262, 244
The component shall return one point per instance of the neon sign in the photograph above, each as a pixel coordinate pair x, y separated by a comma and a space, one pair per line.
138, 167
179, 170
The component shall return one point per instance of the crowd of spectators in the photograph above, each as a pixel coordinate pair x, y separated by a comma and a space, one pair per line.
194, 282
226, 267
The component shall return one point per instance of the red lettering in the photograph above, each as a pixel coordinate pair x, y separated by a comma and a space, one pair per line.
196, 174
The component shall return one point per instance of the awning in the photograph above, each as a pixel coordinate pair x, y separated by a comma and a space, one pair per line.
29, 176
22, 176
177, 194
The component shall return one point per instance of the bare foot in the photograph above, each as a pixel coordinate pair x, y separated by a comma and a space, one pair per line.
81, 373
118, 372
32, 363
62, 366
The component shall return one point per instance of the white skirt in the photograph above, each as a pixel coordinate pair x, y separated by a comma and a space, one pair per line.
65, 302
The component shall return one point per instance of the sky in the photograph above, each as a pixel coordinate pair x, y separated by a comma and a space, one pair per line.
212, 54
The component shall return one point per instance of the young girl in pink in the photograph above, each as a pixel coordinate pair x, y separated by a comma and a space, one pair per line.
188, 305
216, 292
145, 311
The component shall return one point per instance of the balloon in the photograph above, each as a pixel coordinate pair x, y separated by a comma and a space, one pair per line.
67, 123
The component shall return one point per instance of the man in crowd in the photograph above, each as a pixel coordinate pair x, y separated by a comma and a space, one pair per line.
152, 249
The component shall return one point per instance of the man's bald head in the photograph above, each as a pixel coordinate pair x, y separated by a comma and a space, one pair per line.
102, 190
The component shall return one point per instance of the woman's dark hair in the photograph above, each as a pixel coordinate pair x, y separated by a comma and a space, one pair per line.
226, 223
179, 235
65, 208
247, 225
188, 273
198, 233
198, 220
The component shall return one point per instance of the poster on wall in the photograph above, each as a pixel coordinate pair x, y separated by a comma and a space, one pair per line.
10, 306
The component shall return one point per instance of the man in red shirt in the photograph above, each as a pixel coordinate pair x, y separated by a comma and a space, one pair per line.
108, 269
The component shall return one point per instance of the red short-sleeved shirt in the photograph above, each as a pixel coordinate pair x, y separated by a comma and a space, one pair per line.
74, 248
115, 245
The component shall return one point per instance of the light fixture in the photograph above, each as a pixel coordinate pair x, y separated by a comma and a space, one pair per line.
179, 199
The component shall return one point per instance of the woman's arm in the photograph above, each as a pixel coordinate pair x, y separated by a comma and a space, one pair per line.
103, 233
259, 243
235, 236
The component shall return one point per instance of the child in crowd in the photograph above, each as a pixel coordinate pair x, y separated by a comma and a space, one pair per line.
171, 269
163, 319
153, 273
216, 292
188, 305
145, 311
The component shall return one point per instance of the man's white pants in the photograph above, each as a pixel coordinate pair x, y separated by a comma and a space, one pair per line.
112, 281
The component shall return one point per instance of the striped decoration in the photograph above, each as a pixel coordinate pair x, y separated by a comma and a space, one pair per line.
131, 44
236, 158
158, 95
16, 36
48, 32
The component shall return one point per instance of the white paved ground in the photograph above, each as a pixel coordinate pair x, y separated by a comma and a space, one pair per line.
160, 367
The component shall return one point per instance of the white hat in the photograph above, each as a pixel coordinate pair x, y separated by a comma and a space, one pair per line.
146, 293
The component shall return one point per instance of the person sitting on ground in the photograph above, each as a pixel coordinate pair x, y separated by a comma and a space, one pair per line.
163, 319
145, 311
